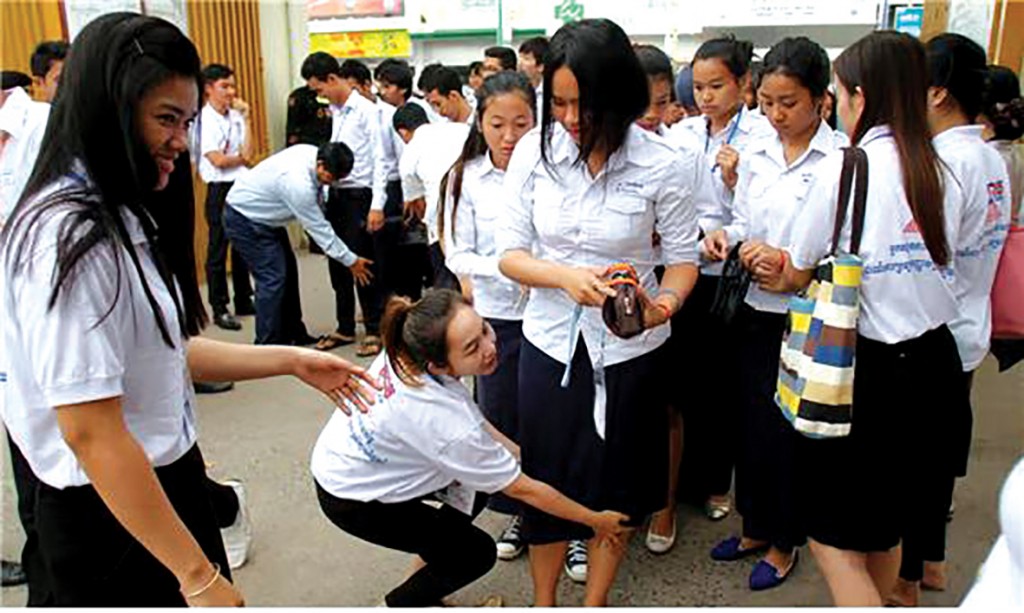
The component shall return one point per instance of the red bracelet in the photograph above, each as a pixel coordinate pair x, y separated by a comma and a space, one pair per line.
782, 264
665, 309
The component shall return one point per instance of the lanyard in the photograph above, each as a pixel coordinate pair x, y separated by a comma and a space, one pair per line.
728, 137
600, 389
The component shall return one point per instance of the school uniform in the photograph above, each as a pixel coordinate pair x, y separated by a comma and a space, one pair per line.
373, 472
471, 251
605, 445
24, 121
97, 343
770, 195
709, 446
222, 133
427, 158
980, 173
357, 124
858, 491
260, 205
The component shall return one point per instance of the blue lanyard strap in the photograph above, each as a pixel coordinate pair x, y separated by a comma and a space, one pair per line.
728, 137
574, 332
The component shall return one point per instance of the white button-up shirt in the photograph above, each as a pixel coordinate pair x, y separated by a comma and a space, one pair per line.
389, 151
743, 128
95, 343
559, 213
427, 158
903, 294
981, 173
283, 188
470, 247
24, 120
357, 124
770, 194
221, 133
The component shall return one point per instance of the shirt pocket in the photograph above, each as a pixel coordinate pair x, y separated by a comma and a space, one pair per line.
623, 221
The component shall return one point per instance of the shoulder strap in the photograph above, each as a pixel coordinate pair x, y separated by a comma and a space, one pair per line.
860, 196
845, 181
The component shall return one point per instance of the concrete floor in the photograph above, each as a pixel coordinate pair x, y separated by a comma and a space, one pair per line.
263, 432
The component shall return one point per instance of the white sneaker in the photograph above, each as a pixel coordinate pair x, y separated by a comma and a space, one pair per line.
238, 536
576, 561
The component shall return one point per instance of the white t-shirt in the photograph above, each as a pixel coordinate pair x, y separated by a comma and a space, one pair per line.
416, 440
224, 133
770, 194
984, 224
71, 355
426, 160
903, 294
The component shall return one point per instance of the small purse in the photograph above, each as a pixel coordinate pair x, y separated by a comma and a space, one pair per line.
623, 314
816, 364
732, 287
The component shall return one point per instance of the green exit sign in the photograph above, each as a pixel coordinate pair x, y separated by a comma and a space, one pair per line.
568, 10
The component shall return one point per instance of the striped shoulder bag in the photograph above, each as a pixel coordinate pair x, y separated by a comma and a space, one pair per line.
815, 385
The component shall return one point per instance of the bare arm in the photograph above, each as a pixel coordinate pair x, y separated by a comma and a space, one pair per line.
505, 441
123, 477
338, 379
221, 160
607, 524
584, 285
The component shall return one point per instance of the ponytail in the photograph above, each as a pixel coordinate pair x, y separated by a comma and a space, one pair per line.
415, 334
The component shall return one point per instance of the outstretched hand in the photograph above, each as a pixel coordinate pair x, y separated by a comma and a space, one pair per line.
340, 380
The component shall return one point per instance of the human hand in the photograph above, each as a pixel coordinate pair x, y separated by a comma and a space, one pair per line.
586, 285
716, 245
728, 159
361, 271
241, 106
608, 527
374, 221
340, 380
219, 593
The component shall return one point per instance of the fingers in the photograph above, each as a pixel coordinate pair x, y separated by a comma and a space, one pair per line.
361, 373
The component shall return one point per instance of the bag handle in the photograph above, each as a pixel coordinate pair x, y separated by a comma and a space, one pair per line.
860, 197
855, 162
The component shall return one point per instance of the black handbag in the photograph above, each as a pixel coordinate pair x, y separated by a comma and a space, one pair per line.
732, 287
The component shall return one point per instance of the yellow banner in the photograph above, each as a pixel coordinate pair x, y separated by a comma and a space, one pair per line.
375, 43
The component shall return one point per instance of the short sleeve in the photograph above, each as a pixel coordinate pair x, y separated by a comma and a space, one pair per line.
676, 212
75, 349
812, 231
479, 462
515, 227
209, 136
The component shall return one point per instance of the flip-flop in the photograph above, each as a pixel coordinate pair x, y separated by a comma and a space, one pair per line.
370, 346
332, 340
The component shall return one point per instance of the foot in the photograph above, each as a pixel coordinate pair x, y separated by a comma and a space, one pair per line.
333, 340
717, 507
661, 534
12, 574
305, 341
934, 577
510, 543
238, 536
773, 570
212, 387
736, 548
904, 594
370, 346
576, 561
227, 321
245, 309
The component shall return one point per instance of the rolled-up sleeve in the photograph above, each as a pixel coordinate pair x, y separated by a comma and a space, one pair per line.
299, 195
412, 183
515, 227
676, 213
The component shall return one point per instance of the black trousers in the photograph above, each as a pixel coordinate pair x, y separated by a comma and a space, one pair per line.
766, 462
705, 391
455, 551
90, 560
217, 255
347, 209
269, 252
27, 487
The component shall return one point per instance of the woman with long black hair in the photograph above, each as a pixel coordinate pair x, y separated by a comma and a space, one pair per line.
101, 317
585, 191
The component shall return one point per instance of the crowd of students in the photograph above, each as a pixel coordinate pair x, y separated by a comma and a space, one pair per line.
510, 199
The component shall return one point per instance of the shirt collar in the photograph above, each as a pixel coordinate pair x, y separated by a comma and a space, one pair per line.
823, 141
633, 149
874, 133
967, 133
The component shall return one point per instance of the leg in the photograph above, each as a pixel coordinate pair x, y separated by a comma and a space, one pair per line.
224, 501
261, 247
847, 575
884, 567
217, 249
603, 565
291, 309
240, 282
341, 277
663, 522
545, 569
27, 486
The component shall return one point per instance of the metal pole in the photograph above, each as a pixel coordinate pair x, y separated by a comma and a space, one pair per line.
500, 34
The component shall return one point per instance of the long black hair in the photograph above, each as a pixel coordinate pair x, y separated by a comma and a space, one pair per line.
504, 82
612, 84
115, 60
958, 65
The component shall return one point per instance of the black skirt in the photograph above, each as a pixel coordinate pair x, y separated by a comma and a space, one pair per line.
856, 491
626, 471
498, 395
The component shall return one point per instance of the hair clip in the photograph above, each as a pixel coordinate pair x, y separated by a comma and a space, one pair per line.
138, 46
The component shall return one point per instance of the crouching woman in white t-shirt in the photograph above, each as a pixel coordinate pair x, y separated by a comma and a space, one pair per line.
425, 439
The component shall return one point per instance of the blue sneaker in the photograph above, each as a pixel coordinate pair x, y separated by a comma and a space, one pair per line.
729, 550
765, 576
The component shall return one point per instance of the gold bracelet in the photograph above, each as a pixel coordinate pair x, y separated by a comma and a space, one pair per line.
216, 573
